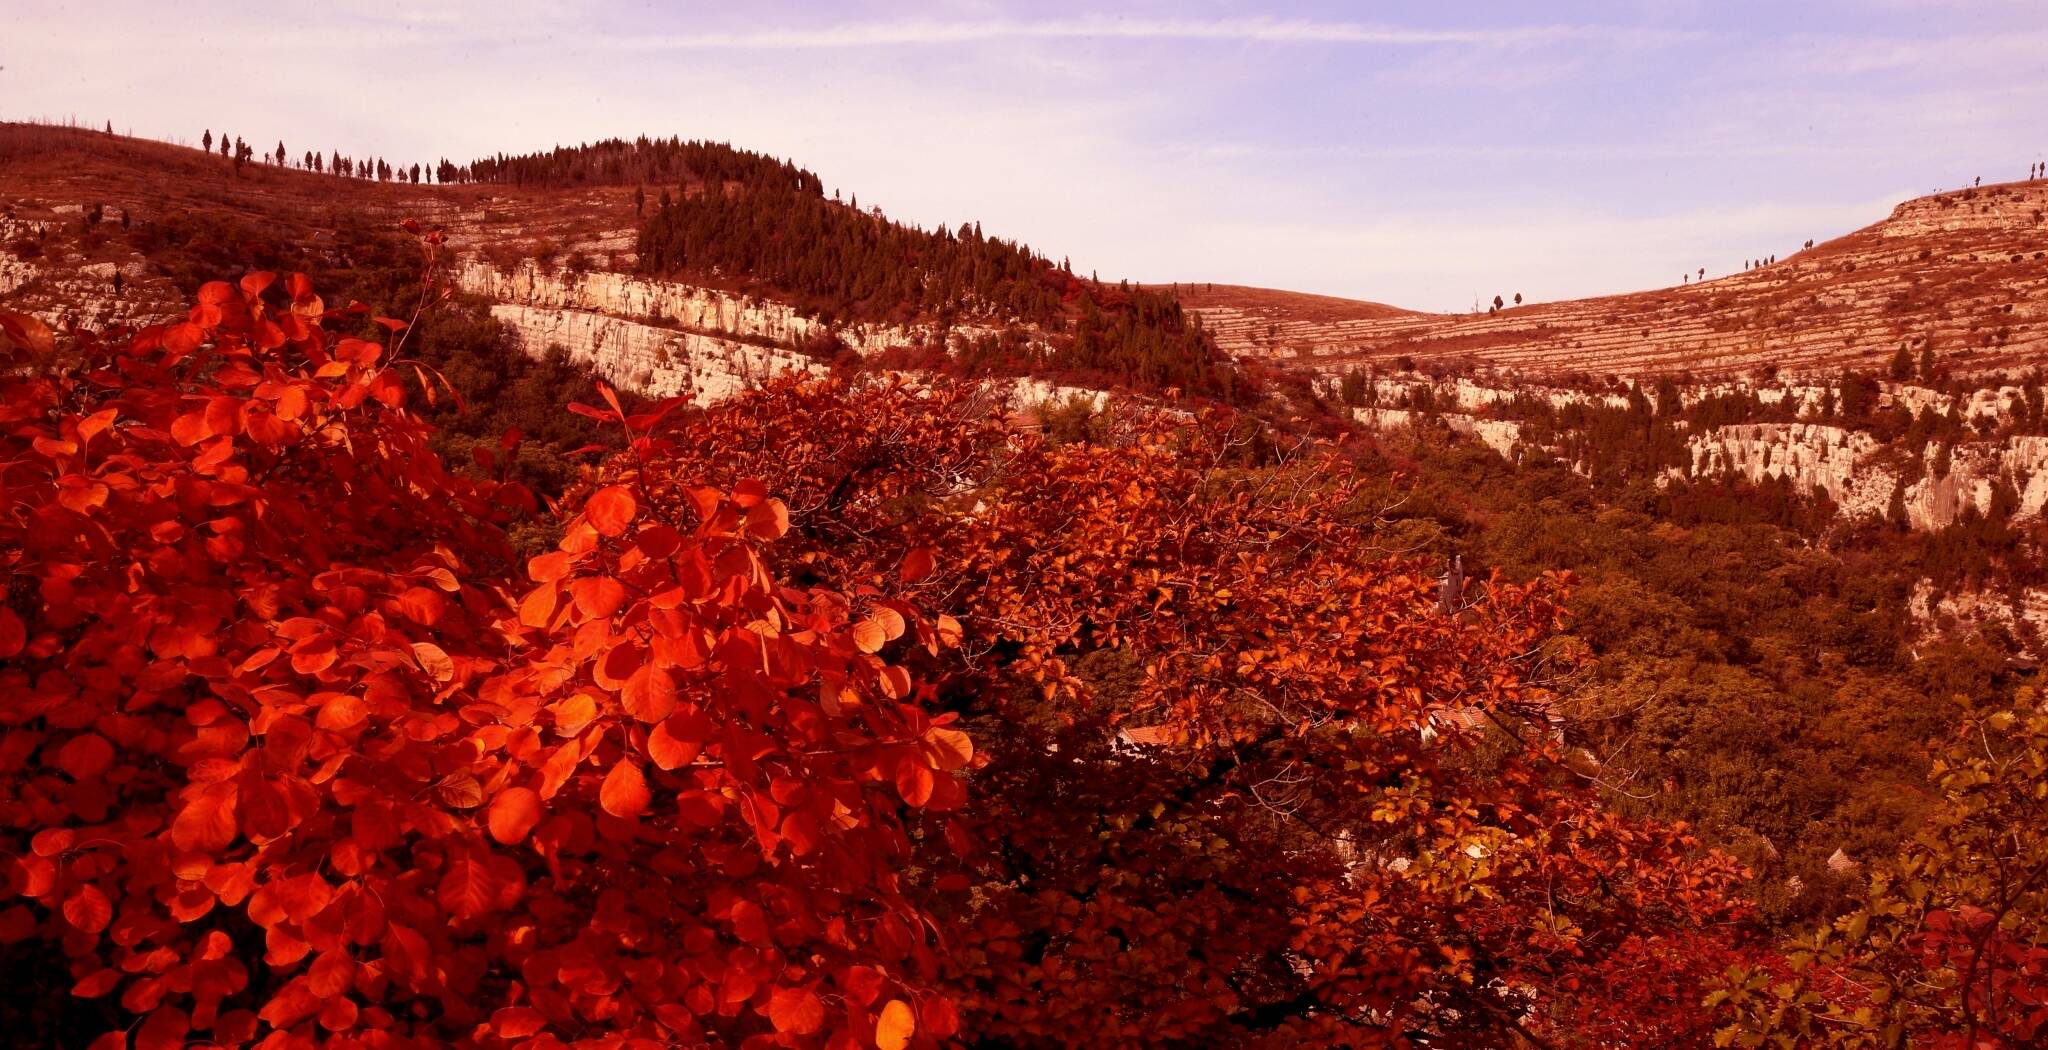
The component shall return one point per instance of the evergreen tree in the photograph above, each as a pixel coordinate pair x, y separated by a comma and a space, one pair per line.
1902, 363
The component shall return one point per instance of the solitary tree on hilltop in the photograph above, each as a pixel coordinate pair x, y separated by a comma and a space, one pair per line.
1498, 303
1518, 298
206, 140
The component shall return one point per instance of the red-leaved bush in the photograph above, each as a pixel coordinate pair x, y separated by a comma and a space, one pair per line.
288, 763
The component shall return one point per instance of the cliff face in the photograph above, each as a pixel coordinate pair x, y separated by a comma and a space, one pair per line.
1860, 475
658, 362
1814, 457
64, 288
1934, 485
629, 297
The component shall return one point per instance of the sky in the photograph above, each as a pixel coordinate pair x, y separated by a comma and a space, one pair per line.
1427, 155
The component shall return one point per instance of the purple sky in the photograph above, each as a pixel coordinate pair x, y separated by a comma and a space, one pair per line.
1419, 154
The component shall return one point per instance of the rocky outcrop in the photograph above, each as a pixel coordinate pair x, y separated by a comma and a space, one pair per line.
689, 307
1861, 475
2024, 614
1814, 457
656, 361
1501, 435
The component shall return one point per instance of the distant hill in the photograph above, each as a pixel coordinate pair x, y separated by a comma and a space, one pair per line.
1967, 270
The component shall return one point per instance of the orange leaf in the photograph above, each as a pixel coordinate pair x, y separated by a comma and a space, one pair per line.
610, 510
893, 1029
625, 793
949, 748
869, 636
513, 814
434, 660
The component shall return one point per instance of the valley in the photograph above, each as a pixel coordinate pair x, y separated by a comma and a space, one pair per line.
1699, 577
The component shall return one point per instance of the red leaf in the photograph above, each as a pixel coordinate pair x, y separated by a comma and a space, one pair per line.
207, 822
513, 814
597, 597
798, 1011
676, 741
332, 973
554, 565
85, 756
96, 984
650, 694
88, 909
517, 1022
13, 634
610, 510
422, 605
467, 890
625, 793
914, 781
917, 565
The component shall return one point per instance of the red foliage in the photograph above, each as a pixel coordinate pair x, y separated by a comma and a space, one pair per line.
295, 755
288, 761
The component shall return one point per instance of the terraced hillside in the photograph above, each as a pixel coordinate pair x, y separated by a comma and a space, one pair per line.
1967, 270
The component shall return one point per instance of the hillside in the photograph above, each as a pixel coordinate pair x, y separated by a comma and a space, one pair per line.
1966, 272
661, 286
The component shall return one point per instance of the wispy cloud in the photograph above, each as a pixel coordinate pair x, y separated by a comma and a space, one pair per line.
925, 33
